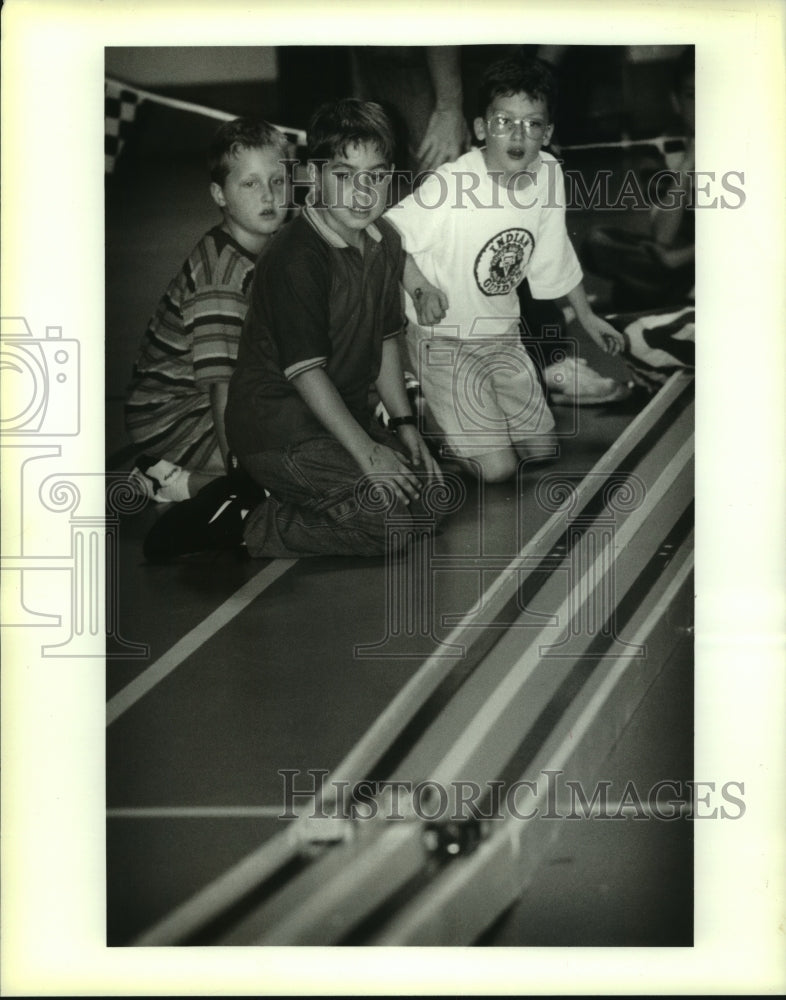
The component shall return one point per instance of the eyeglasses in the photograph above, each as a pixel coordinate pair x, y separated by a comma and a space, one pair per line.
500, 126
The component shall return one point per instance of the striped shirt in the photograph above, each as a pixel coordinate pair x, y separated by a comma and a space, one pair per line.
190, 343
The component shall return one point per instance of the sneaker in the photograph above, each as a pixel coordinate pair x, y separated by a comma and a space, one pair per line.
572, 381
213, 519
159, 480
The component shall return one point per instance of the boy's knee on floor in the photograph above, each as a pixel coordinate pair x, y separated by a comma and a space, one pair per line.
541, 448
496, 466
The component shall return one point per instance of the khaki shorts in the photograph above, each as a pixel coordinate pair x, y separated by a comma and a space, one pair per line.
481, 395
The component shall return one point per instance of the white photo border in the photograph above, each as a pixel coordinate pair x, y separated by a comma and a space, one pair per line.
53, 712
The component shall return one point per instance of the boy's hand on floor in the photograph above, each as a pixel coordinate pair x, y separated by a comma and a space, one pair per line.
604, 334
420, 456
431, 305
387, 465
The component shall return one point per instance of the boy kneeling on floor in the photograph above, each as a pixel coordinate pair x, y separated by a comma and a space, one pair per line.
175, 407
323, 323
476, 229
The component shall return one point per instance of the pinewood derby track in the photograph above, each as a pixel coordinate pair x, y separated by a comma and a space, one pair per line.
515, 644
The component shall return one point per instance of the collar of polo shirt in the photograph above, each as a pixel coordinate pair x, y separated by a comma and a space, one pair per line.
313, 215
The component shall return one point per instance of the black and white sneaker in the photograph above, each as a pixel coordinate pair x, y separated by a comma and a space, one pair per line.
211, 520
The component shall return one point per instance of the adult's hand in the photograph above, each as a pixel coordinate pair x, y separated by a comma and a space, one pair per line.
446, 138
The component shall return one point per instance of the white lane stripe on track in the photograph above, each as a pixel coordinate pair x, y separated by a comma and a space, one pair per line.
164, 665
196, 812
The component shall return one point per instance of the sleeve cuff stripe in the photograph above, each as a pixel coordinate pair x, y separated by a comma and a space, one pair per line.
303, 366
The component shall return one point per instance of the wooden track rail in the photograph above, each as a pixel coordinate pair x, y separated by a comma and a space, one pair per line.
546, 671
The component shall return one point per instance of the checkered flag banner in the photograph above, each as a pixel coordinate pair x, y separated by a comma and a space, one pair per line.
120, 104
121, 101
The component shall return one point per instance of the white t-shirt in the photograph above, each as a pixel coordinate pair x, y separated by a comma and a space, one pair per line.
476, 241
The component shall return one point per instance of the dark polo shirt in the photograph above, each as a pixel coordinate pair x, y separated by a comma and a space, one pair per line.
315, 301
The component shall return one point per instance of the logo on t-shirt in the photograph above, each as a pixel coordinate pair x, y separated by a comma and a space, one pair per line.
501, 263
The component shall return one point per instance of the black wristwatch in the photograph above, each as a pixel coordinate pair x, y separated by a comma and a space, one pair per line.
395, 422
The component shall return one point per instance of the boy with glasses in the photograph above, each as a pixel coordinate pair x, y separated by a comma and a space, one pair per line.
475, 229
